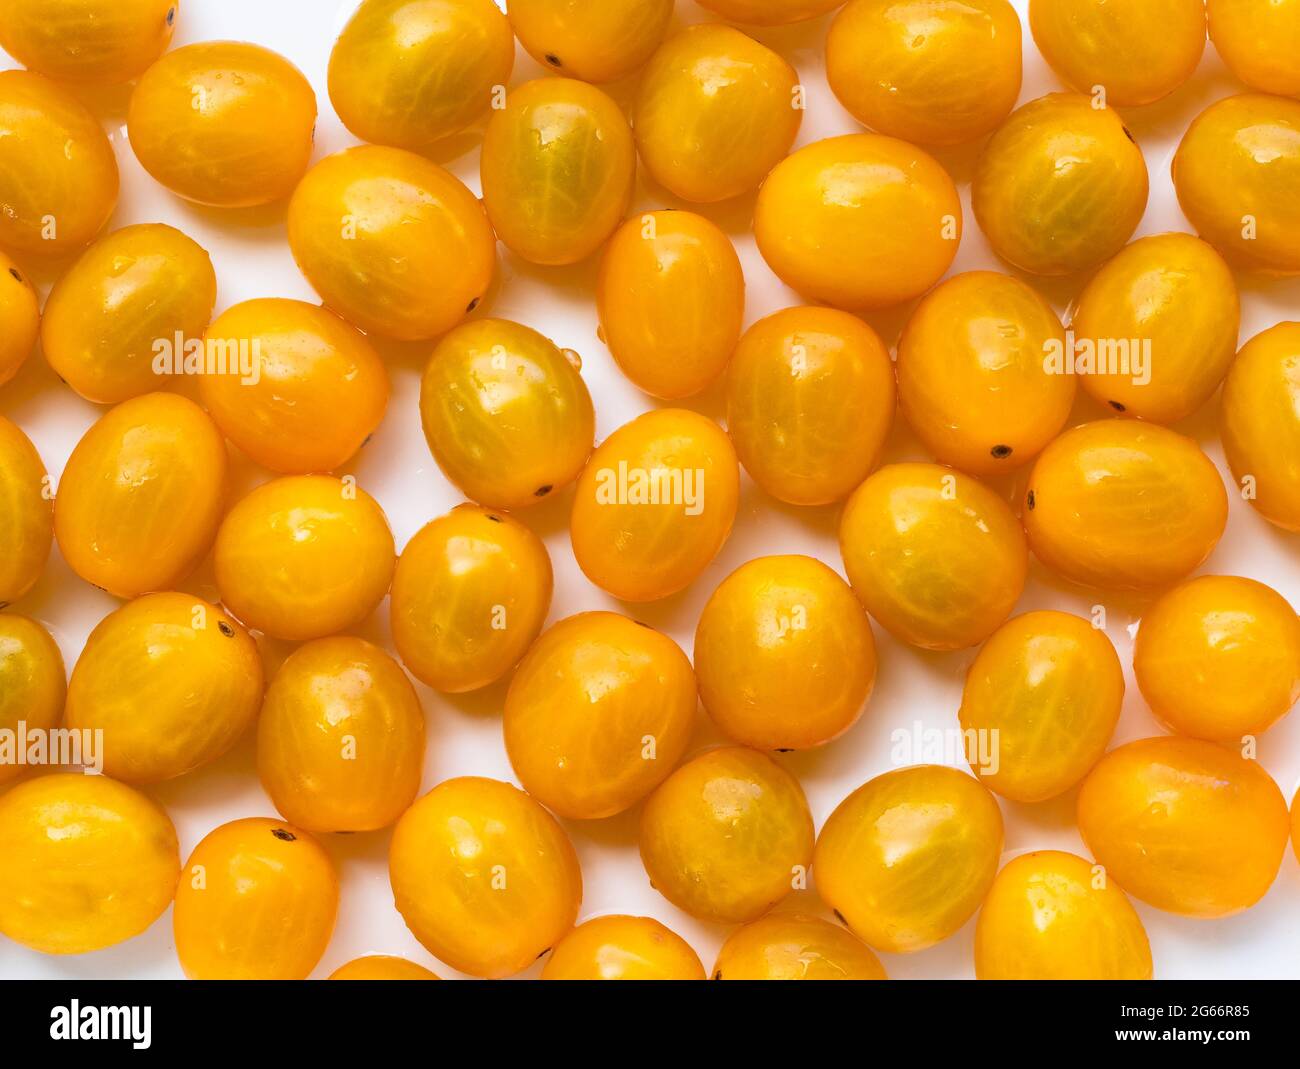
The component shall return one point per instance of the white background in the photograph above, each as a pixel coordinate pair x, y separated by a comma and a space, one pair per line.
253, 260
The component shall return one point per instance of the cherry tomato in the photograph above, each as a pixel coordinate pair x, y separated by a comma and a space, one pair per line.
1185, 825
935, 556
810, 401
171, 682
1103, 494
907, 858
141, 496
859, 221
655, 504
87, 40
484, 876
622, 948
20, 318
1259, 40
506, 413
304, 557
790, 946
972, 375
32, 683
595, 40
1061, 186
727, 836
770, 12
27, 518
381, 967
671, 299
301, 391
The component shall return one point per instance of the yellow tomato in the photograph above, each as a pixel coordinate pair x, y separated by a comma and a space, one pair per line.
598, 714
292, 385
595, 40
132, 290
171, 682
1132, 51
408, 73
655, 504
1172, 301
715, 111
1185, 825
557, 170
381, 967
671, 299
85, 863
20, 318
256, 901
789, 946
484, 876
1259, 40
58, 174
1237, 174
784, 654
1061, 186
391, 242
907, 858
1103, 494
623, 948
224, 123
1040, 704
810, 401
304, 557
727, 836
939, 73
859, 221
141, 496
770, 12
87, 40
936, 557
1218, 658
1054, 916
32, 684
973, 378
470, 594
1260, 423
340, 742
26, 518
506, 413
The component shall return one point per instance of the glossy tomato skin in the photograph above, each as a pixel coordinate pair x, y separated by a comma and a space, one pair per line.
257, 901
770, 12
1185, 825
141, 496
598, 714
791, 946
409, 73
32, 682
784, 654
622, 948
28, 518
97, 41
20, 318
381, 967
1237, 175
908, 857
1040, 704
278, 552
1055, 916
172, 683
859, 221
1104, 493
317, 389
937, 558
470, 594
557, 168
671, 300
595, 40
484, 876
727, 836
715, 111
1218, 658
1061, 186
810, 402
1260, 423
58, 173
85, 863
972, 378
392, 242
506, 413
1259, 40
340, 742
936, 74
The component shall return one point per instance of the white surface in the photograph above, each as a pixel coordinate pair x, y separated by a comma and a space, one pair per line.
253, 260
